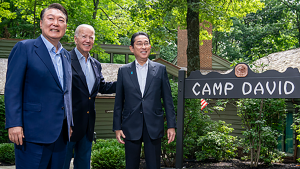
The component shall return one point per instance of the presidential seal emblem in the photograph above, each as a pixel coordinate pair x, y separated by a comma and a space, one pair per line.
241, 70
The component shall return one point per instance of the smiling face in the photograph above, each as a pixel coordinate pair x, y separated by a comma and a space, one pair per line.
53, 25
141, 48
85, 40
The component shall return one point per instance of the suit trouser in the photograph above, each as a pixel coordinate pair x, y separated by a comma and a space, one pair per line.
42, 156
152, 149
82, 154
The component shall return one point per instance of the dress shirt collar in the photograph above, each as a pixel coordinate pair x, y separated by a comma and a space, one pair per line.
80, 56
140, 66
51, 47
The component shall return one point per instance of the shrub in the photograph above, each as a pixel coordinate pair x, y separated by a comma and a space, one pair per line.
7, 153
262, 119
108, 154
101, 143
3, 131
218, 145
196, 123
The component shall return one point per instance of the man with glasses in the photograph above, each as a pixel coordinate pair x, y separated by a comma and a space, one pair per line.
87, 81
138, 114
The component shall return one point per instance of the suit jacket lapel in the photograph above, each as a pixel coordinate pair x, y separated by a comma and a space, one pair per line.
133, 76
76, 66
151, 73
43, 53
97, 76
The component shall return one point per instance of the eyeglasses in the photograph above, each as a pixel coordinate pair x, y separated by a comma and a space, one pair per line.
140, 44
85, 37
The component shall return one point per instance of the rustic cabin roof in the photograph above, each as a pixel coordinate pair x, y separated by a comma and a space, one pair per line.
279, 61
3, 68
109, 71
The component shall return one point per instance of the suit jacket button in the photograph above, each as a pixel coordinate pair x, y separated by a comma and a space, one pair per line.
63, 108
89, 98
87, 112
141, 112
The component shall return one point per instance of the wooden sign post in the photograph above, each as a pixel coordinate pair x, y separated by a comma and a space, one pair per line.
242, 82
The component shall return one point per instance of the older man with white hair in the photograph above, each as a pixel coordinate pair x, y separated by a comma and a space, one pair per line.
87, 81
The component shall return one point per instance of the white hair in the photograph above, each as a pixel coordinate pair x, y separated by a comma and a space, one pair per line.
86, 26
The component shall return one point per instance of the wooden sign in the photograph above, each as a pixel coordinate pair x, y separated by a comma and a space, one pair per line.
242, 82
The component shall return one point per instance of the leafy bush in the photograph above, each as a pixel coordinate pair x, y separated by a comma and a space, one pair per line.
7, 153
3, 131
101, 143
108, 154
217, 144
262, 119
196, 124
296, 124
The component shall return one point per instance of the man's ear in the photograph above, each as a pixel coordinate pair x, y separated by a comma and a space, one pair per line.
131, 48
41, 24
75, 39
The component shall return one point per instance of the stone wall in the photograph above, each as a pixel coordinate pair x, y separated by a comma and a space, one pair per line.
3, 68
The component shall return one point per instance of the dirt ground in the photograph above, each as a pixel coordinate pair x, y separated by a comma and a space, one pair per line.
232, 164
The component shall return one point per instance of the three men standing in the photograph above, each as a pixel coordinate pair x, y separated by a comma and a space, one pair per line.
38, 95
138, 114
38, 98
87, 81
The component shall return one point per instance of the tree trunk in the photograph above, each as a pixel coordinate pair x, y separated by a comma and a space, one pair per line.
252, 152
96, 3
259, 132
192, 51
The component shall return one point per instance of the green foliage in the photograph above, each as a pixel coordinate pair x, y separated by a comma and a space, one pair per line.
168, 51
108, 154
115, 21
196, 125
5, 13
111, 19
296, 124
217, 145
163, 19
262, 119
7, 153
3, 131
271, 29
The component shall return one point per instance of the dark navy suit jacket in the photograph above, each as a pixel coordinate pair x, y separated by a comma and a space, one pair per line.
34, 97
84, 113
130, 107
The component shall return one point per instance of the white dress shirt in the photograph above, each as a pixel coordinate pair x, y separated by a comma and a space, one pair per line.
141, 72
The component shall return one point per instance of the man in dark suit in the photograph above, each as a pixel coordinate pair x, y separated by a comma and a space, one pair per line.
138, 114
87, 82
38, 95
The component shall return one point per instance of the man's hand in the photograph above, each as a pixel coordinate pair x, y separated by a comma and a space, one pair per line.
119, 134
71, 131
171, 134
16, 135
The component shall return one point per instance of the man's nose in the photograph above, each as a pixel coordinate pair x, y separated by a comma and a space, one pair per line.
55, 22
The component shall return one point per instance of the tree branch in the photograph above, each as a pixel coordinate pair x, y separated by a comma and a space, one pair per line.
117, 4
288, 4
109, 18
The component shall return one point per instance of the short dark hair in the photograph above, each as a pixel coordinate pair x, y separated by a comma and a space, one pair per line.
55, 6
137, 34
